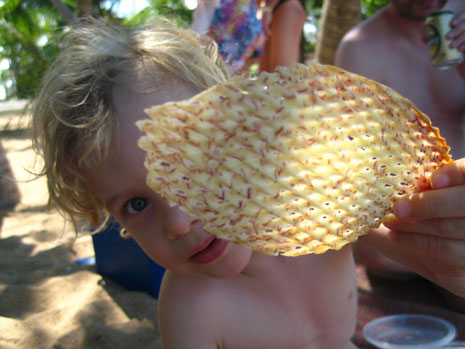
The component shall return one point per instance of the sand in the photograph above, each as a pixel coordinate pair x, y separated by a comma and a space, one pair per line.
46, 299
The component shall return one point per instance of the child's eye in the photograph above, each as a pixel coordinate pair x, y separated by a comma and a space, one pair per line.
135, 205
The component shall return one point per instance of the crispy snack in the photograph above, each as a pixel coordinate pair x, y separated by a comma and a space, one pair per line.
295, 162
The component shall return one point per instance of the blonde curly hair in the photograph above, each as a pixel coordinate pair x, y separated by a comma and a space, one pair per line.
73, 113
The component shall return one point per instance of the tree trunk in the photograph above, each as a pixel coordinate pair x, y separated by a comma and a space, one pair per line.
337, 18
85, 8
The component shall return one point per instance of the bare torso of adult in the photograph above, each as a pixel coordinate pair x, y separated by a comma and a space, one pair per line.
293, 302
394, 51
440, 94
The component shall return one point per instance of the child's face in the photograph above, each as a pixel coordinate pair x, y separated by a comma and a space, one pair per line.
169, 236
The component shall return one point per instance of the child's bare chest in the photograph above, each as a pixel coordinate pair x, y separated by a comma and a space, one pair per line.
308, 308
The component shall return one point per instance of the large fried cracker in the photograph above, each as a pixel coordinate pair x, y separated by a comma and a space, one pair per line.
294, 162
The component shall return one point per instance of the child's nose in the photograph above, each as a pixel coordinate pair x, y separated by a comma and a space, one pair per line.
179, 223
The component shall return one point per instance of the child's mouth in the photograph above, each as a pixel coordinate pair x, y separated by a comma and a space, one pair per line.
211, 252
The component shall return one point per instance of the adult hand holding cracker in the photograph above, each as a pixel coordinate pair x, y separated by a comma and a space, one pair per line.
430, 230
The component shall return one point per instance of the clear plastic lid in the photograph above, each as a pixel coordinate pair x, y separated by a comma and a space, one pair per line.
408, 331
454, 345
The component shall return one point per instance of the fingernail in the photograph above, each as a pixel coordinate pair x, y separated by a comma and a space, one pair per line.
440, 181
402, 209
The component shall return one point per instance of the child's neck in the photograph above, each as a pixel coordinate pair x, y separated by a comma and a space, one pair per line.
262, 265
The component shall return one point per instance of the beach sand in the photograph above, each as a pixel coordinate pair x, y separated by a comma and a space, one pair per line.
46, 299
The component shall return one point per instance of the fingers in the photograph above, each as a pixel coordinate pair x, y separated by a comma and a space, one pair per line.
442, 203
443, 251
449, 228
432, 227
457, 32
446, 200
432, 223
450, 175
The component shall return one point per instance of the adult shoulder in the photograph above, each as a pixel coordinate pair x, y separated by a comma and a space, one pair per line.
360, 46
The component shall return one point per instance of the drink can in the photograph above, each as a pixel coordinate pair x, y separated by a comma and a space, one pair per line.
437, 26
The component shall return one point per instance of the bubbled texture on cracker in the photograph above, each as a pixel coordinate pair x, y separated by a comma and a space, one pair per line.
294, 162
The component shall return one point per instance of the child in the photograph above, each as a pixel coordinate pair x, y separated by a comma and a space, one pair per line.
214, 294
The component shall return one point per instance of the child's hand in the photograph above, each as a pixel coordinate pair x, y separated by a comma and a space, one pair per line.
431, 224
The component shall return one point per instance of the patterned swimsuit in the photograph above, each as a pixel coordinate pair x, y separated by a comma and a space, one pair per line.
238, 32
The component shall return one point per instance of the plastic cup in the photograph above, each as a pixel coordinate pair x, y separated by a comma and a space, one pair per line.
409, 331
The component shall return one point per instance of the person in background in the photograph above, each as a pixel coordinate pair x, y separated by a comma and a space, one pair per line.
391, 47
283, 22
234, 26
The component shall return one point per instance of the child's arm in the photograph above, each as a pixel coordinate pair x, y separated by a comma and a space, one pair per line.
429, 234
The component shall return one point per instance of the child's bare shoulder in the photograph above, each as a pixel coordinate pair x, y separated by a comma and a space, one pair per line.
189, 305
178, 291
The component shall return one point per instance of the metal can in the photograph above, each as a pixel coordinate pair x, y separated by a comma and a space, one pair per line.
437, 26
